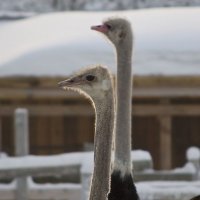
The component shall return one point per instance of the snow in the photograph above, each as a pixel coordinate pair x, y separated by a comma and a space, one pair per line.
187, 168
152, 190
8, 186
3, 155
85, 159
34, 186
140, 155
87, 163
168, 190
166, 42
42, 161
193, 153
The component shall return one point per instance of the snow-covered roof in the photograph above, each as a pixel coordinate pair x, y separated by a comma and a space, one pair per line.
166, 42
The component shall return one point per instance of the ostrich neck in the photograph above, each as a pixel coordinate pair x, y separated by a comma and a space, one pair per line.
123, 106
102, 150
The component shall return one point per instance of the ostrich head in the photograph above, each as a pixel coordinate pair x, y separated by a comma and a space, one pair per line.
93, 82
117, 30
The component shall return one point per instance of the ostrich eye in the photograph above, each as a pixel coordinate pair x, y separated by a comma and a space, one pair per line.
90, 77
108, 26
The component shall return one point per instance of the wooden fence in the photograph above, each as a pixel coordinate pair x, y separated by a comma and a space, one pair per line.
165, 125
166, 117
21, 172
21, 168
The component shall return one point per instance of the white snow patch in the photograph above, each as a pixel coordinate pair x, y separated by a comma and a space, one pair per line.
193, 153
42, 161
187, 168
137, 155
85, 159
166, 42
3, 155
176, 190
87, 162
8, 186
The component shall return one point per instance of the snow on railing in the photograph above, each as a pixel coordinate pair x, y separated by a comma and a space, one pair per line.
193, 157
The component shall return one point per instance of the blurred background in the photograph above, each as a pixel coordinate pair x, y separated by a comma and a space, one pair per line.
39, 43
43, 42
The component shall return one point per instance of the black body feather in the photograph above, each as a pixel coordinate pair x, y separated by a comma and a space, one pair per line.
122, 188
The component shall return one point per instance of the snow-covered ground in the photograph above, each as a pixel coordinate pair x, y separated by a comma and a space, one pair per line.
166, 42
151, 190
161, 190
154, 190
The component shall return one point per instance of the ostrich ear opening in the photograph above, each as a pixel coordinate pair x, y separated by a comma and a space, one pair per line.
122, 34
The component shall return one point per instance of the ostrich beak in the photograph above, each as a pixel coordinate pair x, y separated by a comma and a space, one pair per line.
69, 82
101, 28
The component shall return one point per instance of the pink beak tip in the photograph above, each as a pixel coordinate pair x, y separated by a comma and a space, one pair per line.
100, 28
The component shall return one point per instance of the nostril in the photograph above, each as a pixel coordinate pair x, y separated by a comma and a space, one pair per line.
67, 83
71, 81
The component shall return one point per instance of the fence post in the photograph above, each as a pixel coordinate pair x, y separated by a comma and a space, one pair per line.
165, 137
21, 149
1, 135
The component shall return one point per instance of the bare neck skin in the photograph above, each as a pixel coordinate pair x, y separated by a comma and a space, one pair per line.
122, 160
103, 143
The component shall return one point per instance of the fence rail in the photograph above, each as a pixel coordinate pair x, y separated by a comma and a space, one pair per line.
86, 110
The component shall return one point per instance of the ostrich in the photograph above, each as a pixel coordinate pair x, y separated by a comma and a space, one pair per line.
119, 32
96, 84
196, 198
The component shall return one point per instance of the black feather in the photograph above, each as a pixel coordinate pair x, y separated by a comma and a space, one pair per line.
122, 188
196, 198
